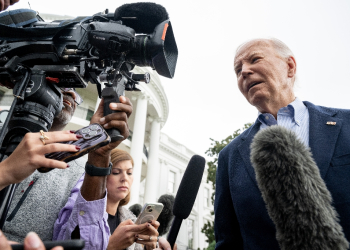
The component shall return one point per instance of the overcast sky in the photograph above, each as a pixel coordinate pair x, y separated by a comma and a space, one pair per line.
203, 96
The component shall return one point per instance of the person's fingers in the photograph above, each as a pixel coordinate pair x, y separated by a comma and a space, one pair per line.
146, 237
155, 223
59, 147
4, 244
33, 242
125, 100
49, 163
59, 136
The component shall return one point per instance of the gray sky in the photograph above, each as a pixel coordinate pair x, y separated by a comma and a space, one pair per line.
203, 96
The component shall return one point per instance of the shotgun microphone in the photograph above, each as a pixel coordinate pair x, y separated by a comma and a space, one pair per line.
296, 197
186, 195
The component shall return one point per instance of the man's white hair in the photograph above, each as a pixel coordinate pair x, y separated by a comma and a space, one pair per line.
281, 48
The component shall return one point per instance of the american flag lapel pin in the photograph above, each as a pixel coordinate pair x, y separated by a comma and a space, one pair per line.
331, 123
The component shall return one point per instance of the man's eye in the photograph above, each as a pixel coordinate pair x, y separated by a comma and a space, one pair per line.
115, 173
255, 59
238, 71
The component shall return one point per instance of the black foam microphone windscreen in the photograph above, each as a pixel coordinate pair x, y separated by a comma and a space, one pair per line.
186, 195
142, 17
166, 215
296, 196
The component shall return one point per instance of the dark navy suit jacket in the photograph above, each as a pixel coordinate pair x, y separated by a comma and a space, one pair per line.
241, 218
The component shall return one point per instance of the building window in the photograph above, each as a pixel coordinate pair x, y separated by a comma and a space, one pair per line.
171, 182
206, 197
190, 227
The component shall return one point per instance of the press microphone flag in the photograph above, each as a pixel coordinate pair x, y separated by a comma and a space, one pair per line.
296, 196
186, 195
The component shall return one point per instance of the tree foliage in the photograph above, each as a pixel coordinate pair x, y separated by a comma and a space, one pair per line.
213, 152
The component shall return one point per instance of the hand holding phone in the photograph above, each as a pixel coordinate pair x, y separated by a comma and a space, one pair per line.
150, 211
92, 137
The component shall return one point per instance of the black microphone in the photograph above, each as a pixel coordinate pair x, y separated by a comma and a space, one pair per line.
186, 195
142, 17
296, 196
166, 215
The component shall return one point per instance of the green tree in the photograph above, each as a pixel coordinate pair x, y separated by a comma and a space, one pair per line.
213, 152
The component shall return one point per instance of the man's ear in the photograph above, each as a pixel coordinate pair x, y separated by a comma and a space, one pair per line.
292, 66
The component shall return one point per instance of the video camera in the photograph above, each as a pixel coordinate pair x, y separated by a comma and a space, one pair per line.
97, 49
37, 58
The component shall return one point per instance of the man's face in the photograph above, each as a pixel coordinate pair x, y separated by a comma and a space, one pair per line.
68, 110
264, 77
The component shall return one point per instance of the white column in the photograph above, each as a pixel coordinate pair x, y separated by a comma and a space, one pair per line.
136, 149
152, 180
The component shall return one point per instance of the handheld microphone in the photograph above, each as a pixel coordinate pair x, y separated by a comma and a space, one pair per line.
166, 215
142, 17
296, 196
186, 195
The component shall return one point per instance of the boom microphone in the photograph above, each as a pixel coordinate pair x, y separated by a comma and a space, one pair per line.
296, 196
186, 195
142, 17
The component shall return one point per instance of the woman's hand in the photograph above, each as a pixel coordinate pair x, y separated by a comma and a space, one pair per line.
149, 237
127, 233
30, 155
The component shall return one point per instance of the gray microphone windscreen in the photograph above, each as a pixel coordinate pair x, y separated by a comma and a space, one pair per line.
296, 196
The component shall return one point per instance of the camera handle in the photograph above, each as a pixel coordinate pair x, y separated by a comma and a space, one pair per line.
111, 93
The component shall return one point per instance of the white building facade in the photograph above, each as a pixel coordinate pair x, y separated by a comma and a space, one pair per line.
159, 161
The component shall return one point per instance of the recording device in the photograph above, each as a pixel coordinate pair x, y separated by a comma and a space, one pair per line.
150, 211
66, 244
186, 195
93, 137
41, 57
296, 196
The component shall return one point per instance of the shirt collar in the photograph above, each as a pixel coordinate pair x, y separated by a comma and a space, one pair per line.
295, 109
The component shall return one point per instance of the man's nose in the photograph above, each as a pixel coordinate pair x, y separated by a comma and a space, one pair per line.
246, 70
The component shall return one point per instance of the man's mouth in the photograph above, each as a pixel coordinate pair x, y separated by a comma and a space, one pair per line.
251, 85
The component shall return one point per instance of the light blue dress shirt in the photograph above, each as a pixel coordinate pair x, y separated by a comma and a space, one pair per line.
294, 117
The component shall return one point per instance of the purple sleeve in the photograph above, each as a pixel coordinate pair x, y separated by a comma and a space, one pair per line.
90, 216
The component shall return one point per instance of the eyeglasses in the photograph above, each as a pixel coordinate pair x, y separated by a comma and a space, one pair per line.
77, 98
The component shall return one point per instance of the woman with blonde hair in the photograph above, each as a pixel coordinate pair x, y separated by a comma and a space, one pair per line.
106, 223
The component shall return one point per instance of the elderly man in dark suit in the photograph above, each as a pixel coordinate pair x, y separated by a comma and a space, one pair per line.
266, 70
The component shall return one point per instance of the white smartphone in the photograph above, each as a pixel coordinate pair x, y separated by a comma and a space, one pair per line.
150, 211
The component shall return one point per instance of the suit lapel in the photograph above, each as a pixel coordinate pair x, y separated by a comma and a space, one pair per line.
244, 149
322, 137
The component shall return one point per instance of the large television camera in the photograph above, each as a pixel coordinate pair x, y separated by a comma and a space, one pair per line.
38, 58
97, 49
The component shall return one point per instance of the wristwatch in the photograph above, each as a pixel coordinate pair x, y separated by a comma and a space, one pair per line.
96, 171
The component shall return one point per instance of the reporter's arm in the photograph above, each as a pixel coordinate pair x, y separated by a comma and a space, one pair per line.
30, 155
94, 187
